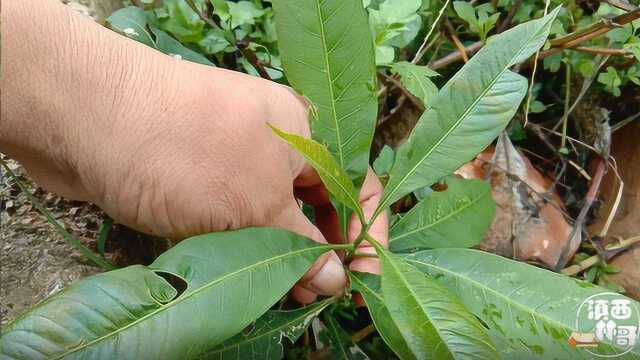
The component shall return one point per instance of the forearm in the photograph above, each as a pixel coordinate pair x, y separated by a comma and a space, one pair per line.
66, 82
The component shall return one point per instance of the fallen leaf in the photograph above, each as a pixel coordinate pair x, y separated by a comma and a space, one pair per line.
526, 226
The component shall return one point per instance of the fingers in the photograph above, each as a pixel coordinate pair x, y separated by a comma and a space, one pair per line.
311, 190
370, 195
326, 276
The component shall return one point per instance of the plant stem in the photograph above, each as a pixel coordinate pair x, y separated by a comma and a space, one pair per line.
349, 247
422, 48
72, 240
566, 42
367, 255
527, 104
567, 98
357, 243
363, 333
590, 261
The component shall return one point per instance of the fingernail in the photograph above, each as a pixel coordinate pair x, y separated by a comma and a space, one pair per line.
330, 280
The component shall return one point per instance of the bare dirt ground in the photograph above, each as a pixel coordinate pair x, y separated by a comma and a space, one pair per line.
35, 261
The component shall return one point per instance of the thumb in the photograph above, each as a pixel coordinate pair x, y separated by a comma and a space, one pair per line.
327, 275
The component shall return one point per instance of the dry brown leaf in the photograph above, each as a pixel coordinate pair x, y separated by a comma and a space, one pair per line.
526, 226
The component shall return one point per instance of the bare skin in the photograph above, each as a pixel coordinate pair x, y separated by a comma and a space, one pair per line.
167, 147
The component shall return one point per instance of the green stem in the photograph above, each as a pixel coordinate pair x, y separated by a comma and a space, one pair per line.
349, 247
367, 255
358, 240
376, 244
72, 240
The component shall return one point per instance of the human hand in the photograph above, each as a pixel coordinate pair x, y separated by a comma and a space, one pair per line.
173, 148
209, 163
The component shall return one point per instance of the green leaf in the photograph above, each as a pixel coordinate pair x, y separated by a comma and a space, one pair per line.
395, 24
173, 47
131, 21
243, 12
368, 285
222, 282
466, 12
634, 48
456, 217
416, 79
433, 322
384, 161
265, 340
333, 176
531, 312
181, 22
327, 54
221, 8
471, 109
342, 347
611, 81
214, 42
105, 229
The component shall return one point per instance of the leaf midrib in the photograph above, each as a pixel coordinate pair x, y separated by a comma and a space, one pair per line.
334, 115
349, 193
438, 221
384, 201
487, 288
415, 297
188, 295
505, 298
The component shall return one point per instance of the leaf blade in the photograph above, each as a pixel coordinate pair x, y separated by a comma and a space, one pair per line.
131, 317
416, 79
333, 176
435, 221
368, 285
434, 323
265, 340
131, 21
531, 312
480, 99
320, 44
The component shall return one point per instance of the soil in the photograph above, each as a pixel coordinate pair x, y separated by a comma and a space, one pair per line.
35, 260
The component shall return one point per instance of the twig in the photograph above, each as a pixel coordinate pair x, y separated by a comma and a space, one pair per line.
621, 4
613, 165
593, 30
602, 51
566, 42
527, 104
624, 122
616, 203
456, 40
243, 46
592, 260
585, 86
363, 333
565, 116
202, 15
548, 199
418, 104
509, 18
455, 56
422, 49
580, 170
592, 193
